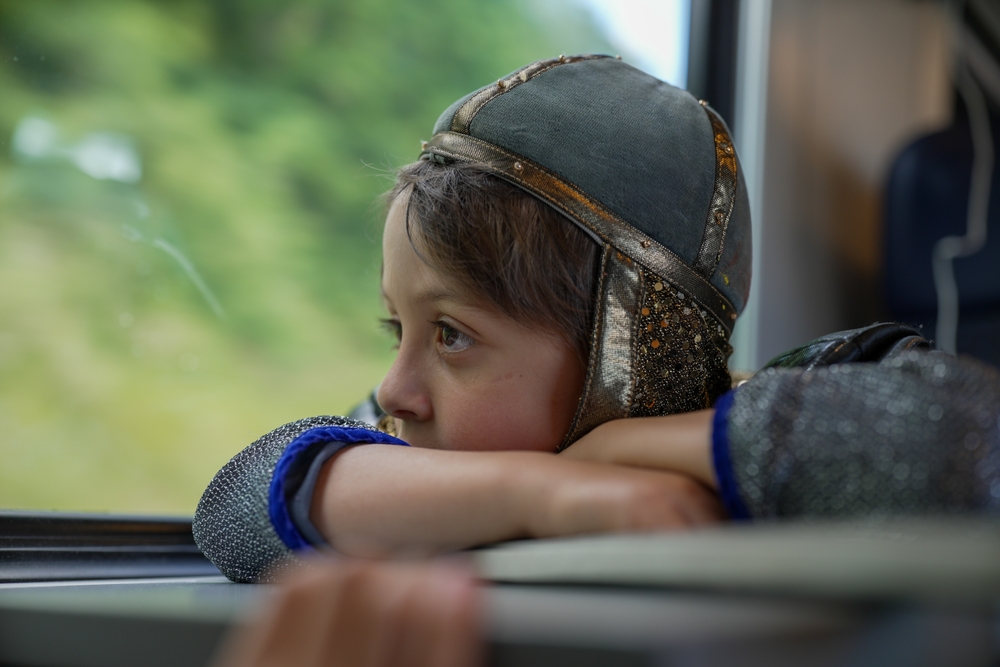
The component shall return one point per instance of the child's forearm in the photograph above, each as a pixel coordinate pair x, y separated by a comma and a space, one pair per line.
678, 443
378, 500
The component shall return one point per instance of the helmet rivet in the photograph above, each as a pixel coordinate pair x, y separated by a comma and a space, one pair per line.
645, 244
423, 145
518, 166
703, 103
501, 84
562, 58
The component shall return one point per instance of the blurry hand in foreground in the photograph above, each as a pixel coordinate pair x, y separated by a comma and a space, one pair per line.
364, 614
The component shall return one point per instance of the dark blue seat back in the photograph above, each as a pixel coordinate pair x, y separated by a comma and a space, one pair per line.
927, 199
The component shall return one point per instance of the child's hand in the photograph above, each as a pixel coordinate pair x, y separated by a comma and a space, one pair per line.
364, 614
611, 498
676, 443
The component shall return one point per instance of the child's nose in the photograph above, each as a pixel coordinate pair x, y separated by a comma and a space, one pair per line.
403, 394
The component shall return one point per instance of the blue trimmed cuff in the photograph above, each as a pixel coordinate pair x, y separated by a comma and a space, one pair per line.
729, 491
326, 441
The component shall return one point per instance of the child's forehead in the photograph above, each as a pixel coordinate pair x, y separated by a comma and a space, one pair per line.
439, 295
406, 275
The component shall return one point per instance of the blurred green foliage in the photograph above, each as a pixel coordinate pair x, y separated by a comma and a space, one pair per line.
151, 329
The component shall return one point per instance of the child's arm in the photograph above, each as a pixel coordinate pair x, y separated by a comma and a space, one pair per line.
678, 443
917, 433
378, 500
381, 499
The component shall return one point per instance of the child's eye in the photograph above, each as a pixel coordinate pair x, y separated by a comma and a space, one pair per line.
453, 340
394, 327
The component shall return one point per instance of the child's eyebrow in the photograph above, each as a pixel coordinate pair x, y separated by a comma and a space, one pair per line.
429, 295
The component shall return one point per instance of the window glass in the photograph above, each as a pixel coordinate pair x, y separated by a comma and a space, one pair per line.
189, 224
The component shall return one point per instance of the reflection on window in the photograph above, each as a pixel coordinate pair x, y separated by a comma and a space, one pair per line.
189, 231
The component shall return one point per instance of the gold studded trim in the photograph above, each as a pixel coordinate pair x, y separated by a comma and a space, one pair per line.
387, 424
679, 354
463, 117
723, 198
605, 226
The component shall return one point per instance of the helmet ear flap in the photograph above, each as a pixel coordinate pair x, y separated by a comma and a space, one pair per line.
607, 388
654, 351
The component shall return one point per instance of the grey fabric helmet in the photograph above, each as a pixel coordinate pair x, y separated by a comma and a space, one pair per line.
652, 175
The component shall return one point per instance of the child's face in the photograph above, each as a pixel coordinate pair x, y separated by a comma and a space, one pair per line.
466, 376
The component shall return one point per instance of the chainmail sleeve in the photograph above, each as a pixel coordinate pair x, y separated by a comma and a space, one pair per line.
232, 526
915, 433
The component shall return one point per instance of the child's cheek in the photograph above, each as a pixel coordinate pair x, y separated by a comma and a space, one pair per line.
511, 417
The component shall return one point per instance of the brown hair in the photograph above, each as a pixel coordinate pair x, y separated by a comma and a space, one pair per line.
501, 243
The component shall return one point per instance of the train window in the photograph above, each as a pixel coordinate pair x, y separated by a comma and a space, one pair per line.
188, 242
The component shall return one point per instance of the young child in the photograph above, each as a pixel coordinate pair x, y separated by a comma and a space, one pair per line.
563, 268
